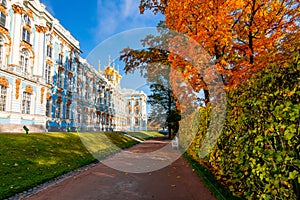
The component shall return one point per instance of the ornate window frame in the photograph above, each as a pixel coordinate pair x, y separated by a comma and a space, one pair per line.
3, 96
26, 102
3, 19
58, 108
48, 73
25, 59
49, 51
48, 107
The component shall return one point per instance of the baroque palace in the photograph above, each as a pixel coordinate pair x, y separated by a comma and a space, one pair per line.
46, 86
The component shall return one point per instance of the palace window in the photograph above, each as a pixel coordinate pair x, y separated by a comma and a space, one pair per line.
128, 121
1, 51
79, 86
60, 59
49, 51
3, 2
60, 79
136, 121
48, 108
137, 110
70, 82
27, 20
24, 61
26, 103
3, 93
68, 111
70, 65
79, 116
2, 19
48, 73
58, 109
26, 35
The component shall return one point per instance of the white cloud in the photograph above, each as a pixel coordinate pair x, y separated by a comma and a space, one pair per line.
120, 15
129, 8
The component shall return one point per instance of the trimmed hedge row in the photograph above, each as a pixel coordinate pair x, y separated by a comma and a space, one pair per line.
258, 154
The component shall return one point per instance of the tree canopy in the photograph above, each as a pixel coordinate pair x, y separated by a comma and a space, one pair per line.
242, 35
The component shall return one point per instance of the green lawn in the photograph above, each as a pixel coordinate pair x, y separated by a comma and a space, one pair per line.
28, 160
144, 135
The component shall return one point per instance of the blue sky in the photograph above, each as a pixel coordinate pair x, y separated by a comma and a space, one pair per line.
93, 21
96, 23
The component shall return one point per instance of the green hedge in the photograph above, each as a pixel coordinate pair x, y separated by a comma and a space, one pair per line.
257, 155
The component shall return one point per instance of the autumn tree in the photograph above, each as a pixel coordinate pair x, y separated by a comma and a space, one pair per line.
242, 36
158, 55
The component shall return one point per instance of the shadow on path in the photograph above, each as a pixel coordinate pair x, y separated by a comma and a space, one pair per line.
175, 181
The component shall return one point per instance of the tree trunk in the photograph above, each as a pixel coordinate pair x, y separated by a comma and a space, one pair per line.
169, 112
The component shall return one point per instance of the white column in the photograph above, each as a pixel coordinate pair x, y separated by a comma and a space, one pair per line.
16, 34
39, 51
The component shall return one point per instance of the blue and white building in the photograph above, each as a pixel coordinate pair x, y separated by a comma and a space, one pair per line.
46, 85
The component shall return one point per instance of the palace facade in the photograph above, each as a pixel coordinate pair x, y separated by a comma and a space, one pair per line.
47, 86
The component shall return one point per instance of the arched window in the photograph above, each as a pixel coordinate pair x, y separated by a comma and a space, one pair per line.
60, 79
24, 62
79, 115
48, 73
69, 82
128, 121
26, 101
60, 59
49, 51
48, 107
26, 29
2, 19
27, 20
58, 108
26, 35
3, 94
137, 110
68, 110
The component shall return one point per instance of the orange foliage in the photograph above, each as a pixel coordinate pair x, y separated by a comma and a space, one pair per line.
241, 36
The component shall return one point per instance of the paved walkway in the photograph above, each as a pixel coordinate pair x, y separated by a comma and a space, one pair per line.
174, 182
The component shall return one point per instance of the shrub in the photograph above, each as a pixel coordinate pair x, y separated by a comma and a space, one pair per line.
257, 155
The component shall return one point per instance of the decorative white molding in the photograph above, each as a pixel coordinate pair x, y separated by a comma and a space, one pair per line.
4, 115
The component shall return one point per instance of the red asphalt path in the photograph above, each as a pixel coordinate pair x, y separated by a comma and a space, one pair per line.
177, 181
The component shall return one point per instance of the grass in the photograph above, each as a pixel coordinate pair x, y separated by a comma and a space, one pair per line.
29, 160
218, 190
144, 135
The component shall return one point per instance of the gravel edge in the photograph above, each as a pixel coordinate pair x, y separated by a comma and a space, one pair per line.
54, 181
